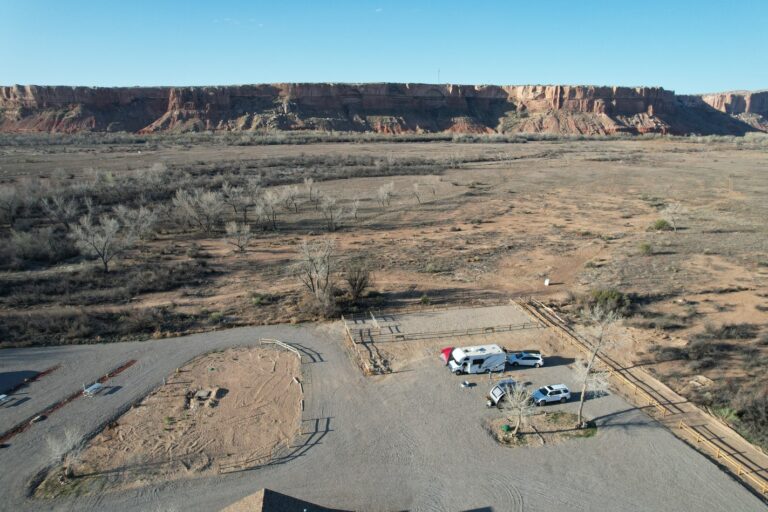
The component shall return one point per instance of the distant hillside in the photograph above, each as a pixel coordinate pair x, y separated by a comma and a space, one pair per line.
380, 107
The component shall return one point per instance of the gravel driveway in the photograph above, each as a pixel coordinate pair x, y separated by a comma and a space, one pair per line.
411, 440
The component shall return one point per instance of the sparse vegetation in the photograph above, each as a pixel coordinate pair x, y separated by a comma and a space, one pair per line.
239, 235
358, 276
316, 270
608, 300
520, 406
661, 225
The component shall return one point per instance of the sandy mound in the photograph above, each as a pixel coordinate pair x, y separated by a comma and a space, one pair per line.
221, 412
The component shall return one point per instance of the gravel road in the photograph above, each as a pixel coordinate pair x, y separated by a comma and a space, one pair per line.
412, 440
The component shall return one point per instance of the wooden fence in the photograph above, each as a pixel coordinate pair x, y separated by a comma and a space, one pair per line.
718, 453
549, 317
377, 335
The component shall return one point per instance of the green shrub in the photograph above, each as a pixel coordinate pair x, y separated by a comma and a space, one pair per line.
660, 225
261, 299
607, 299
743, 331
646, 249
425, 300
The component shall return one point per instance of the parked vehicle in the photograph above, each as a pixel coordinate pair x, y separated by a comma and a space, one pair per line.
499, 391
478, 359
554, 393
93, 390
525, 359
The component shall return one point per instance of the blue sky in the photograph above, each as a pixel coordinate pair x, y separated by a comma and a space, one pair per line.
687, 46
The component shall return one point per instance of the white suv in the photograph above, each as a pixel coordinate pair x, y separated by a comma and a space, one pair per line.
525, 359
554, 393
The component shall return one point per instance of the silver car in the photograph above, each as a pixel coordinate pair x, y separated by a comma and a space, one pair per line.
525, 359
554, 393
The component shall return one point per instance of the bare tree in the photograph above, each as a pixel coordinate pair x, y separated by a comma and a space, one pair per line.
594, 382
332, 212
416, 192
672, 214
358, 276
238, 198
520, 404
199, 208
59, 208
141, 221
385, 194
290, 198
309, 184
239, 235
602, 319
315, 268
254, 188
10, 203
354, 208
154, 179
66, 449
270, 201
105, 240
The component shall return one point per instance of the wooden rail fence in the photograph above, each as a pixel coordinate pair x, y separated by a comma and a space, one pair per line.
377, 335
718, 453
541, 312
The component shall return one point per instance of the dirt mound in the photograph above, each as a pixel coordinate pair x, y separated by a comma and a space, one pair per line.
221, 412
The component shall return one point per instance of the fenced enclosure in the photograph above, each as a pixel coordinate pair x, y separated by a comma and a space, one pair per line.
386, 327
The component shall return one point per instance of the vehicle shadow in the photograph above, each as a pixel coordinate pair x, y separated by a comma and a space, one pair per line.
113, 389
558, 361
11, 381
18, 402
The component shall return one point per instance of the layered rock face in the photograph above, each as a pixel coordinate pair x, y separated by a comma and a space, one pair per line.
378, 107
738, 102
750, 107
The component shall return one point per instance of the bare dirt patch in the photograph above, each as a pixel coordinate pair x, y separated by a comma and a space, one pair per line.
540, 429
225, 410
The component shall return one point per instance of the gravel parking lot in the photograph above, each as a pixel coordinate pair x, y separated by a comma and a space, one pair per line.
412, 440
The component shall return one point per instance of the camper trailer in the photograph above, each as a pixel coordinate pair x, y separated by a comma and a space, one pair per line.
478, 359
499, 391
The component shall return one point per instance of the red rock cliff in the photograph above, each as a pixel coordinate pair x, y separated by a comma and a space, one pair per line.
738, 102
381, 107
